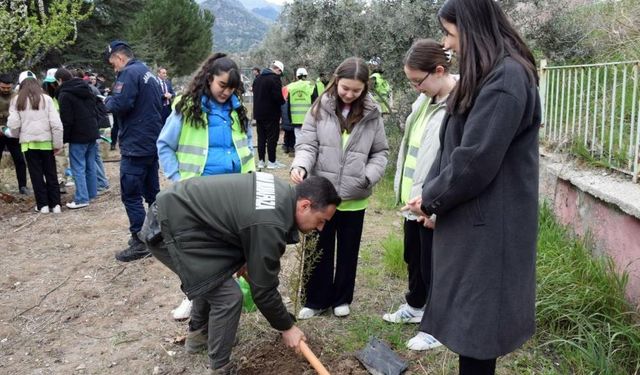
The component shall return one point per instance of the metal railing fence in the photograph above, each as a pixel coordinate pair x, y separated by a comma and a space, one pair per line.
593, 111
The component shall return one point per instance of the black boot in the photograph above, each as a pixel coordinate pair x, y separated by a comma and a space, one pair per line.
136, 250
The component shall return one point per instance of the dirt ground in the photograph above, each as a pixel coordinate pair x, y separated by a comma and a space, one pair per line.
68, 307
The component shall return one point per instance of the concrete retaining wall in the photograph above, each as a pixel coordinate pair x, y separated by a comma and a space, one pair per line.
604, 205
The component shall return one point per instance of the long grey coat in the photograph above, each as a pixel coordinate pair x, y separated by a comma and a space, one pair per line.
484, 189
353, 169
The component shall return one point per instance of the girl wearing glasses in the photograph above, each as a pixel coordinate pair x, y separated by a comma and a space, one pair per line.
426, 66
483, 188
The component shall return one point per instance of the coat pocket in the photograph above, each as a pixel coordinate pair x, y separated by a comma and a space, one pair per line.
476, 214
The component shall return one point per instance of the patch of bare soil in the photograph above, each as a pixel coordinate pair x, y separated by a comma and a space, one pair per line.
68, 307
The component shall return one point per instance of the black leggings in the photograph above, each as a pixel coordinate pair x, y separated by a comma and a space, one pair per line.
472, 366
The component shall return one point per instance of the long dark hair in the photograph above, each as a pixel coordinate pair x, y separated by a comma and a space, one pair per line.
426, 55
351, 68
485, 36
30, 92
216, 64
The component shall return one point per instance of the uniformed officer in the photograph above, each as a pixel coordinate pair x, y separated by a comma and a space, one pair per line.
205, 229
136, 101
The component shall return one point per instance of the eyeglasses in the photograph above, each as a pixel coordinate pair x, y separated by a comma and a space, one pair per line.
417, 84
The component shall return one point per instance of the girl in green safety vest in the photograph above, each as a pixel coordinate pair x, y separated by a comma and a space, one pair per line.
207, 133
426, 66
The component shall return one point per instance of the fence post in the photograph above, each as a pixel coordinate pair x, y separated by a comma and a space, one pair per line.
542, 73
636, 161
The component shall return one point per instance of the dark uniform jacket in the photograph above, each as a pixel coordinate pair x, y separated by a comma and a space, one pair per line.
267, 96
78, 112
213, 225
483, 187
136, 101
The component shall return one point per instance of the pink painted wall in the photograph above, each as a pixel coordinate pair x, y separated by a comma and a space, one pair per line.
613, 231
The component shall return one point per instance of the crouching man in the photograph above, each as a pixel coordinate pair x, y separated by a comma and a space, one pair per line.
205, 229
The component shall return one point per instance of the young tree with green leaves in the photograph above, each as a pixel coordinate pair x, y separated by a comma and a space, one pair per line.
30, 29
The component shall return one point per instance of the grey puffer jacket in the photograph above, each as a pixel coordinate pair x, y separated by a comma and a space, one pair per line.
353, 169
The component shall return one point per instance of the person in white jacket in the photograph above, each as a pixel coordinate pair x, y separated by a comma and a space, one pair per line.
34, 120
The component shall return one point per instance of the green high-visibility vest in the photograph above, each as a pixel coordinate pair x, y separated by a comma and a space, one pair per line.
299, 100
381, 92
416, 131
319, 86
193, 147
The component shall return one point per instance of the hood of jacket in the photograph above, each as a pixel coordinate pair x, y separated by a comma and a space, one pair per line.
267, 72
76, 87
371, 108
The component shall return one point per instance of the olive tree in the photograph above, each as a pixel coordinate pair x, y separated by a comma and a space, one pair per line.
30, 29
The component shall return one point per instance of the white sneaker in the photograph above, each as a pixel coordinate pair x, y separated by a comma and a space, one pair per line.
342, 310
183, 311
423, 341
275, 165
307, 313
69, 183
43, 210
56, 209
404, 314
74, 205
260, 164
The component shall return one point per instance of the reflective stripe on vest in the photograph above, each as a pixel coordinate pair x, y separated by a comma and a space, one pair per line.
193, 147
414, 140
300, 93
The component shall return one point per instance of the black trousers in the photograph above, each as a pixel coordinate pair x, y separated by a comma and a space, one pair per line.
324, 289
13, 145
289, 139
114, 131
472, 366
44, 178
268, 133
417, 254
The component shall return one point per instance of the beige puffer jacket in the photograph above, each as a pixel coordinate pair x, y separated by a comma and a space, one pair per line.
33, 125
354, 169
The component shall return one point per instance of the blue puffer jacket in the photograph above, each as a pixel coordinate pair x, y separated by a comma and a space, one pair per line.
137, 102
222, 156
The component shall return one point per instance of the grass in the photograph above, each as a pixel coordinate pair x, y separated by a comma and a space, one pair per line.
393, 258
582, 312
584, 323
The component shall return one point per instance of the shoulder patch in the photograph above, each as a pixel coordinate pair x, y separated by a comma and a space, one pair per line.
117, 88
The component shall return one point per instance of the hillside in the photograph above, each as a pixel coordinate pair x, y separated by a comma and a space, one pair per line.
235, 29
267, 12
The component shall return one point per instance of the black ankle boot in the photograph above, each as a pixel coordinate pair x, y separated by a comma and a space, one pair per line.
136, 250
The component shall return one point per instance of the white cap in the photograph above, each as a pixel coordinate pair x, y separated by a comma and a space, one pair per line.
278, 64
24, 75
301, 72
